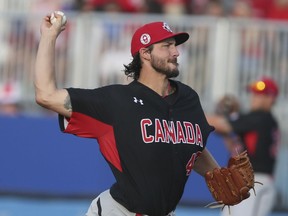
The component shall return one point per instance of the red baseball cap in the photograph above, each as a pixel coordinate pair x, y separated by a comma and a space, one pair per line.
265, 86
152, 33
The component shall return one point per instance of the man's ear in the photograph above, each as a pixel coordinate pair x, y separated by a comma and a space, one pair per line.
145, 53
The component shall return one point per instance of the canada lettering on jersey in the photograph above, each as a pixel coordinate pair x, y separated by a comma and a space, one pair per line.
171, 132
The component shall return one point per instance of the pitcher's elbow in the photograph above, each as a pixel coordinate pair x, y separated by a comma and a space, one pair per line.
41, 100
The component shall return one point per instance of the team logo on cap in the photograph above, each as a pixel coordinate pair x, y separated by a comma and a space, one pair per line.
167, 27
145, 39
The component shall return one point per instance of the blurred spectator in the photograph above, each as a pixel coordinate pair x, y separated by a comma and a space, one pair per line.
241, 9
260, 136
152, 6
198, 7
215, 8
111, 7
175, 7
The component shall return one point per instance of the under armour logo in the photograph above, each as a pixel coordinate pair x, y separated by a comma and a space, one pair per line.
140, 101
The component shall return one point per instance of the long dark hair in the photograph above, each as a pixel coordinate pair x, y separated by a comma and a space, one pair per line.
133, 68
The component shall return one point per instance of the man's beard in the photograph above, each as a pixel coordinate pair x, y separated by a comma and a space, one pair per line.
161, 66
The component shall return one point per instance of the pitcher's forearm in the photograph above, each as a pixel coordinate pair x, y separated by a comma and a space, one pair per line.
44, 77
205, 163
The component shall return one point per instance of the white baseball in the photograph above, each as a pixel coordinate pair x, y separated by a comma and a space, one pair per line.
53, 18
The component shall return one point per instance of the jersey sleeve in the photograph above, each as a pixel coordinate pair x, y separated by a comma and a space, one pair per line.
90, 116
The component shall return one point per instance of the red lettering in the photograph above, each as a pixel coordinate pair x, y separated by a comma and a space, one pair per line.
146, 123
159, 134
198, 136
190, 134
169, 131
180, 133
191, 162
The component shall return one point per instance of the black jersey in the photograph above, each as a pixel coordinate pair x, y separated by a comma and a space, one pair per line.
150, 144
260, 134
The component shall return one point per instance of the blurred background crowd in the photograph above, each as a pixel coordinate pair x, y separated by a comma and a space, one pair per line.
274, 9
266, 9
19, 34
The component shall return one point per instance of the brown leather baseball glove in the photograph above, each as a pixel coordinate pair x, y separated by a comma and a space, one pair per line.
230, 185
